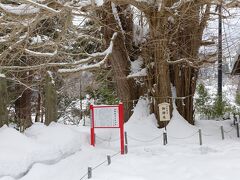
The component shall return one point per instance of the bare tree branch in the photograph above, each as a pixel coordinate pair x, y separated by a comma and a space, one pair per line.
75, 64
51, 10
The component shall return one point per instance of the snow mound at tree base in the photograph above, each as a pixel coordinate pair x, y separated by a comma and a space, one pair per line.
179, 127
142, 124
143, 127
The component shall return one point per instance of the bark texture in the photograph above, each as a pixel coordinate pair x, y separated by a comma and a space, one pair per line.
120, 60
3, 101
23, 110
50, 100
187, 43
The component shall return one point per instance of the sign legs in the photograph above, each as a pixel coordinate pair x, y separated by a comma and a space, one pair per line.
92, 137
121, 121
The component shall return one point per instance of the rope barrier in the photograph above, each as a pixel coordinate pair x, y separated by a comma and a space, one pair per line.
100, 164
155, 138
105, 161
160, 97
84, 176
229, 130
107, 140
146, 141
183, 137
208, 134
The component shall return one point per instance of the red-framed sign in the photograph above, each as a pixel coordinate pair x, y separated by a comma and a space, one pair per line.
107, 116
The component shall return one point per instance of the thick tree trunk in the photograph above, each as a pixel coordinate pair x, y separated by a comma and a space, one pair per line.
50, 100
161, 87
125, 87
185, 83
158, 68
3, 102
120, 61
23, 109
38, 108
188, 41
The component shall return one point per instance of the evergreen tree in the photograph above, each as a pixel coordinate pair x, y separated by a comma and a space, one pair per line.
237, 98
203, 100
220, 107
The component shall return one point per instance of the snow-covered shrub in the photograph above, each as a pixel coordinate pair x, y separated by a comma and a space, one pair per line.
220, 107
203, 102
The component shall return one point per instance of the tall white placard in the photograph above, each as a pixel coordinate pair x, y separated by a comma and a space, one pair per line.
106, 117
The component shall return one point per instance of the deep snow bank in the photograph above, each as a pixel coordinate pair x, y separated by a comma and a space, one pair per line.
18, 152
144, 123
178, 126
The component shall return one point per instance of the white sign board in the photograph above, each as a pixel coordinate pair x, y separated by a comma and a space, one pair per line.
164, 111
106, 117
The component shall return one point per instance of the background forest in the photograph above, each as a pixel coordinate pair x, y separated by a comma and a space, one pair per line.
53, 53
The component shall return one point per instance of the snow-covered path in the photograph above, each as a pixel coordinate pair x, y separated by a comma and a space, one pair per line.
174, 161
182, 159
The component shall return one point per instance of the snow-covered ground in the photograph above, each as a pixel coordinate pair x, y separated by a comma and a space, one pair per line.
61, 152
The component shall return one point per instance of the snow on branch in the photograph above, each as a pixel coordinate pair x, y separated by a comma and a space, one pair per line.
107, 54
179, 4
195, 63
79, 67
42, 6
22, 9
189, 61
2, 75
40, 54
136, 69
141, 73
4, 38
85, 67
116, 16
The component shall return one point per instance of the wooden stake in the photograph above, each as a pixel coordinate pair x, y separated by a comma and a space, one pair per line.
126, 141
222, 132
126, 149
89, 172
109, 159
200, 136
237, 125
